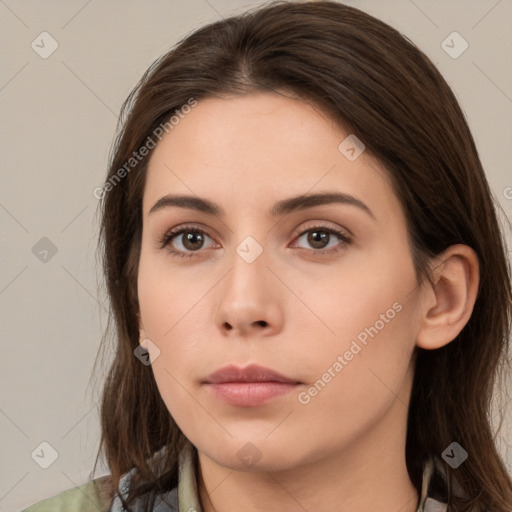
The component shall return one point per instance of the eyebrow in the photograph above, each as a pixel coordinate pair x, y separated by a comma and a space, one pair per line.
280, 208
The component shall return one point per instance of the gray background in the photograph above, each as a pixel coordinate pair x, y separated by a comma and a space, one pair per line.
58, 120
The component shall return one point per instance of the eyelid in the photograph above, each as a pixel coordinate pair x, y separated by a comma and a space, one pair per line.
164, 240
309, 225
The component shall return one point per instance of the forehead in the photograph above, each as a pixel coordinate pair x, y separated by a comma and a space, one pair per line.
261, 145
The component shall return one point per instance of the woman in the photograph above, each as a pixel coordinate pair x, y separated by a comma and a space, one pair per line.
309, 286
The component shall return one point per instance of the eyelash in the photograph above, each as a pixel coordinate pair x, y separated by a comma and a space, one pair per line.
164, 241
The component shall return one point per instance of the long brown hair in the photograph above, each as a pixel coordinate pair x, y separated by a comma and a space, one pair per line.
375, 83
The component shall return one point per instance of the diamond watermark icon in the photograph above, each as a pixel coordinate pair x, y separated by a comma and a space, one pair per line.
44, 250
147, 352
44, 45
249, 249
455, 455
44, 455
351, 147
249, 454
454, 45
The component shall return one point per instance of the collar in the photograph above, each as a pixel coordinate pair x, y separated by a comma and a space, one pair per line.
185, 497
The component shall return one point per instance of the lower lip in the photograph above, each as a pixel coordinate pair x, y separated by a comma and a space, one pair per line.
250, 394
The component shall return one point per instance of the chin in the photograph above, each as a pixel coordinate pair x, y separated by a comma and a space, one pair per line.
254, 454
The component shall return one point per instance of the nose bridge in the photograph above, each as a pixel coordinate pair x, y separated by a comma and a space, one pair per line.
246, 298
249, 262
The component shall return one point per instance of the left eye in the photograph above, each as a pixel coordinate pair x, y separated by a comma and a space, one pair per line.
320, 236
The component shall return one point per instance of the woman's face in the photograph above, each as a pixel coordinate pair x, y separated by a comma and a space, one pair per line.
253, 284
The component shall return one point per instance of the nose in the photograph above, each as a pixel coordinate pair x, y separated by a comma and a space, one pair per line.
249, 299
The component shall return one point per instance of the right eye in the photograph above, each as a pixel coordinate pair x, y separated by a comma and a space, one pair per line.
191, 239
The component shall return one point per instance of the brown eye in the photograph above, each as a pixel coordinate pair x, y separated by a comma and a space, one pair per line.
184, 241
319, 237
192, 240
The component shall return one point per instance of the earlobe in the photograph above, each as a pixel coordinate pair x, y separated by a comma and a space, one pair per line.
449, 301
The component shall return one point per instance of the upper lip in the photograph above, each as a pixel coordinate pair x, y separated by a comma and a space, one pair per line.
251, 373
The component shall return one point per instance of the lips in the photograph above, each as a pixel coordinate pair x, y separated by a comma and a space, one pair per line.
251, 373
248, 387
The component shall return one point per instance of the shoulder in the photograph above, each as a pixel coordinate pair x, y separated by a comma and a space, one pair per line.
93, 496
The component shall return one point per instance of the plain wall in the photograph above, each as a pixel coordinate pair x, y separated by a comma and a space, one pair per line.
58, 120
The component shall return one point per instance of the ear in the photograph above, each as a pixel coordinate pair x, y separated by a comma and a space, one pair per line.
142, 333
448, 303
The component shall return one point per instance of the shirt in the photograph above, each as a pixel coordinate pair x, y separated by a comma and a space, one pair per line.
96, 495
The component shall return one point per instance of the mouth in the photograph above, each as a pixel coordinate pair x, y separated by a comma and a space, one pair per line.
250, 386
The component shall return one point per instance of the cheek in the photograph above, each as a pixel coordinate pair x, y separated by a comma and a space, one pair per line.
365, 297
169, 312
166, 323
368, 340
176, 391
356, 383
166, 298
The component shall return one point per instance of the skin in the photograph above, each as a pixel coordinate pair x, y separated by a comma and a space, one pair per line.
294, 309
